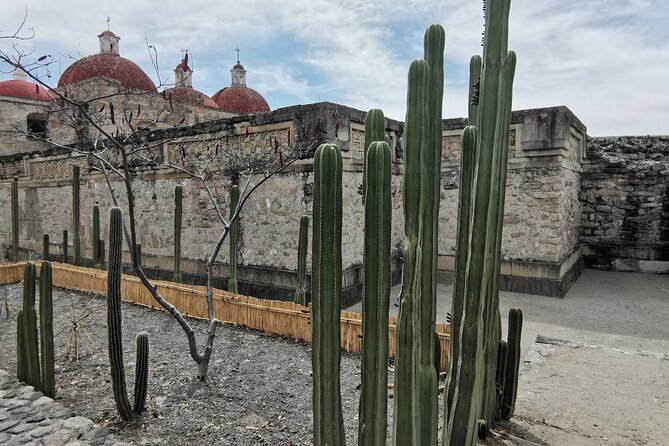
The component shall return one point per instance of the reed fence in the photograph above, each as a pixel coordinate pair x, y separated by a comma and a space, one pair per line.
270, 316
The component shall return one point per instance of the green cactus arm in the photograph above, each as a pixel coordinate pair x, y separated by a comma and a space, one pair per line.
234, 240
76, 240
48, 384
30, 340
500, 378
178, 216
141, 371
376, 297
375, 130
409, 364
512, 363
15, 219
326, 296
302, 246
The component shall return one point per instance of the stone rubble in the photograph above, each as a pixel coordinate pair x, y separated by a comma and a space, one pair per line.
27, 417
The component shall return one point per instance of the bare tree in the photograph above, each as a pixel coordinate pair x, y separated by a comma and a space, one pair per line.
108, 133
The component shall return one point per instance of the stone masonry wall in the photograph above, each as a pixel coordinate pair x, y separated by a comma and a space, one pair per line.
625, 199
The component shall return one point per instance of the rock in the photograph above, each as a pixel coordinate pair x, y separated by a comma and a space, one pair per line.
79, 424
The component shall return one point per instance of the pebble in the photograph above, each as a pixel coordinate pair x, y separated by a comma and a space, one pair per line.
27, 417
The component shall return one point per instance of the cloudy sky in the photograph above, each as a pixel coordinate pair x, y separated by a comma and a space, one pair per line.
607, 60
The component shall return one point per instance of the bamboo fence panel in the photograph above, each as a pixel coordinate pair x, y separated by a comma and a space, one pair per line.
270, 316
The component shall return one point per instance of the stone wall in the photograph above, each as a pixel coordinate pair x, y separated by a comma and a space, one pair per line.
13, 125
625, 199
540, 240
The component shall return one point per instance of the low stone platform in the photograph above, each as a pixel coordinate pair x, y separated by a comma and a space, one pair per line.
27, 417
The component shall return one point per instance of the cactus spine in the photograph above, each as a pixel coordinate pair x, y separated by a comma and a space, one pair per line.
376, 297
178, 213
64, 245
301, 292
30, 370
234, 239
48, 385
45, 246
15, 219
76, 241
96, 235
512, 363
141, 371
326, 296
471, 396
410, 365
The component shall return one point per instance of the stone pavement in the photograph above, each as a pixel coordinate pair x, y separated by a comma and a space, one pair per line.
27, 417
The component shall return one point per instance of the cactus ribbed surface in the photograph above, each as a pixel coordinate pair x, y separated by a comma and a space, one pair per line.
302, 246
326, 296
376, 297
21, 369
45, 246
15, 219
48, 384
512, 363
375, 130
178, 215
114, 329
502, 355
141, 371
29, 325
410, 409
101, 253
64, 245
234, 240
76, 240
96, 235
472, 390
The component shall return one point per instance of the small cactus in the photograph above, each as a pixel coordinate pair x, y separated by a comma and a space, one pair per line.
76, 241
15, 219
48, 386
45, 246
64, 245
234, 240
101, 253
178, 215
141, 371
301, 292
28, 369
96, 235
512, 363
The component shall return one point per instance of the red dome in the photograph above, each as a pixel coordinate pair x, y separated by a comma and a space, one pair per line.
110, 66
240, 99
24, 89
188, 94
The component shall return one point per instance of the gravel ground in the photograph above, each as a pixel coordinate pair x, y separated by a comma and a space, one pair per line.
258, 391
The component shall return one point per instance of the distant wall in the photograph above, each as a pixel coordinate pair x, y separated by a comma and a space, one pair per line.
625, 200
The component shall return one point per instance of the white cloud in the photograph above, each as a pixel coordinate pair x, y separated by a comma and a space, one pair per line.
605, 59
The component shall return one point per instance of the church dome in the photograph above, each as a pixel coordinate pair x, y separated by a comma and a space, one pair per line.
189, 95
107, 63
24, 89
238, 98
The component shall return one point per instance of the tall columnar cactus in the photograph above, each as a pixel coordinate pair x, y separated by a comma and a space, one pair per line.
502, 356
101, 253
376, 297
412, 401
45, 246
21, 360
471, 395
178, 215
96, 235
76, 241
234, 239
301, 292
141, 371
15, 219
27, 329
64, 245
48, 386
326, 296
512, 363
375, 130
114, 328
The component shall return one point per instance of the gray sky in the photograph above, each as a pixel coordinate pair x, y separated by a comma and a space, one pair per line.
607, 60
